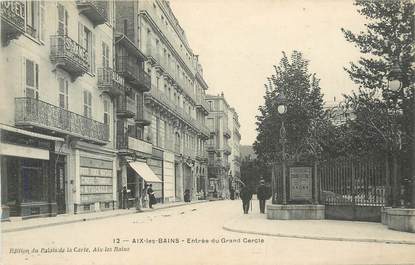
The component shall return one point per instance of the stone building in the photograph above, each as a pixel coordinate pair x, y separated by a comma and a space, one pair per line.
175, 106
57, 125
221, 124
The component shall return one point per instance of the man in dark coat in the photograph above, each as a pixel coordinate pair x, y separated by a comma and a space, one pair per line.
151, 197
262, 194
246, 196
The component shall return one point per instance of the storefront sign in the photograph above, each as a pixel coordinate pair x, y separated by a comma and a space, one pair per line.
301, 183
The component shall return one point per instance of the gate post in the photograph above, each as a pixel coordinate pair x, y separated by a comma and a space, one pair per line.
316, 190
353, 189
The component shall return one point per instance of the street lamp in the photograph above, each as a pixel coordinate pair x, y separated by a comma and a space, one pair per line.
282, 110
394, 85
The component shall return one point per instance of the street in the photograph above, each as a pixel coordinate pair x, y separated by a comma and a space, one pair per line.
190, 234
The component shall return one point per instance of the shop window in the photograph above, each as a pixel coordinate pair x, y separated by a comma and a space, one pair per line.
34, 180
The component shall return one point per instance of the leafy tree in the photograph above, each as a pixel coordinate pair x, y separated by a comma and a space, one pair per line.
387, 40
304, 105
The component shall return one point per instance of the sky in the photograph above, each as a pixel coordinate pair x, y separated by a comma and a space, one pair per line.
239, 41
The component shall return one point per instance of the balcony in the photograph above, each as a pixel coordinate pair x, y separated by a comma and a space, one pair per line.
96, 11
201, 156
110, 82
227, 133
202, 104
30, 112
142, 119
161, 98
69, 55
12, 15
126, 107
133, 73
128, 145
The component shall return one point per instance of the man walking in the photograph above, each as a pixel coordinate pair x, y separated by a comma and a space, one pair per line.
246, 197
262, 195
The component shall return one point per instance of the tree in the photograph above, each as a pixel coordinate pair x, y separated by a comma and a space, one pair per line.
388, 39
304, 103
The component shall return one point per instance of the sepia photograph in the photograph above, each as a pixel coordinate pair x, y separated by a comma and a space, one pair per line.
207, 132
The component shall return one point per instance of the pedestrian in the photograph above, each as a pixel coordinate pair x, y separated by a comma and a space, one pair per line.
246, 196
151, 197
262, 195
144, 196
187, 195
125, 198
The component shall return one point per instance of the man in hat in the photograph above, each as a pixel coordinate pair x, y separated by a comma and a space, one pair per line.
246, 196
261, 193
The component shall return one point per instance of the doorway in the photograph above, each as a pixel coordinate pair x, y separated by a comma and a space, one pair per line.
61, 185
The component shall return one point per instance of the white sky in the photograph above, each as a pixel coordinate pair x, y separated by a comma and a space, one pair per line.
238, 41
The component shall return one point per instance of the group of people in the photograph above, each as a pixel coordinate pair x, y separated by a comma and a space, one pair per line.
147, 197
262, 192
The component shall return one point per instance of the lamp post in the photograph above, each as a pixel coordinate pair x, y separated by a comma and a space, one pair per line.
394, 85
282, 110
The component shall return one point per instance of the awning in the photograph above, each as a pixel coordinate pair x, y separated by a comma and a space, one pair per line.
144, 171
28, 133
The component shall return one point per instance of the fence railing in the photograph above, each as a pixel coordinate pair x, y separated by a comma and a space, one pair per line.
353, 182
34, 112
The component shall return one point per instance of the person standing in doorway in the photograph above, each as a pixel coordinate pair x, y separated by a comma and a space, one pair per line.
151, 197
125, 198
246, 196
261, 193
144, 196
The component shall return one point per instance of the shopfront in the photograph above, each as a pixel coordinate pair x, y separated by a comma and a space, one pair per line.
28, 185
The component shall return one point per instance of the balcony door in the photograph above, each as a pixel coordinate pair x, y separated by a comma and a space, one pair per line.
62, 20
63, 103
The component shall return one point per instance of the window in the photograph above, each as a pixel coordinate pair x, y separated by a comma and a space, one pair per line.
62, 20
63, 93
87, 104
107, 116
210, 105
31, 79
35, 19
105, 55
87, 40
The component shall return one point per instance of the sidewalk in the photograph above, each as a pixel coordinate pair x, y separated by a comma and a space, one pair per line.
20, 225
255, 223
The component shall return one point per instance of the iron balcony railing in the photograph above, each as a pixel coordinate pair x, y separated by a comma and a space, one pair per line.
12, 15
68, 54
126, 106
110, 82
162, 98
133, 72
126, 143
36, 113
96, 11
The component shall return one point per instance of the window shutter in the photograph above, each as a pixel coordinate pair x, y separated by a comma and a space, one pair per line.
42, 15
93, 52
61, 20
81, 34
37, 80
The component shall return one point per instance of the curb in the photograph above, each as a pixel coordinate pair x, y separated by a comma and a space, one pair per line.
327, 238
94, 218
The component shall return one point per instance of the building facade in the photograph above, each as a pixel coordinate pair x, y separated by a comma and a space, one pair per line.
101, 96
175, 101
57, 126
219, 146
235, 156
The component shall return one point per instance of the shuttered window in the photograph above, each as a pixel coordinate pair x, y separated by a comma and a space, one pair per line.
62, 20
87, 40
63, 92
87, 104
31, 78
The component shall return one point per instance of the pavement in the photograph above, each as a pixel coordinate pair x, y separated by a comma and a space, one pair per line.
17, 224
189, 234
335, 230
